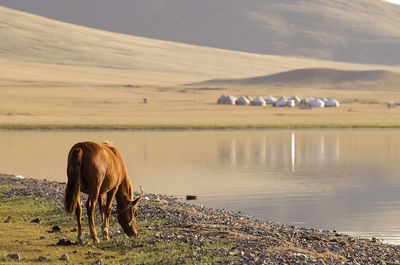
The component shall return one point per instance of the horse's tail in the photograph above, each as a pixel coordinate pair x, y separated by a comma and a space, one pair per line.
73, 185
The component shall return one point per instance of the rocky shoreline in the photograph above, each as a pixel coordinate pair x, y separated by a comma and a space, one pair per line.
254, 241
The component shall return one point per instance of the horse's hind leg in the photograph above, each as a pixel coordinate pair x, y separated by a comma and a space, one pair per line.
102, 208
78, 214
90, 212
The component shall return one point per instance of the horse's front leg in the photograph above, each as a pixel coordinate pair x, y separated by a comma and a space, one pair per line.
107, 211
90, 212
78, 214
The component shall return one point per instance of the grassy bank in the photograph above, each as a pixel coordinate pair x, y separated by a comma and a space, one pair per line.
32, 240
227, 126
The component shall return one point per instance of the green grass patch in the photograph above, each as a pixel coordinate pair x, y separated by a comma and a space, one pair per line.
3, 188
18, 234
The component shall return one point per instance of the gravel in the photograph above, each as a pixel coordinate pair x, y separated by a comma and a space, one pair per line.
253, 241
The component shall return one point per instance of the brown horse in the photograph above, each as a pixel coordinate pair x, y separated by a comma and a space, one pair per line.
96, 169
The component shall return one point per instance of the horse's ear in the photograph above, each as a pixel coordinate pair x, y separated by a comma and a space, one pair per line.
136, 201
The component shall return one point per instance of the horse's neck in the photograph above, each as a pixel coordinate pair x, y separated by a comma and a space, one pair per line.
124, 194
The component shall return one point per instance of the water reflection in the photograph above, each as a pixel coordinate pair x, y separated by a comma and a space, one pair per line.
342, 180
293, 152
280, 151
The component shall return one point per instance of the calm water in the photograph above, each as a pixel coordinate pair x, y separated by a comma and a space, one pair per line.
345, 180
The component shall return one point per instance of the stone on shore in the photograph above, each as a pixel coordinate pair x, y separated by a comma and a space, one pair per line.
14, 256
64, 257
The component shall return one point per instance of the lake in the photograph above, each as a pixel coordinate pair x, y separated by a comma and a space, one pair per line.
343, 180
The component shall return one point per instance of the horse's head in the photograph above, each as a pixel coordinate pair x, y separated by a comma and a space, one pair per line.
127, 218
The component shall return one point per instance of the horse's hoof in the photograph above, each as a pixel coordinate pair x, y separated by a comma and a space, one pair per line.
80, 240
96, 240
105, 233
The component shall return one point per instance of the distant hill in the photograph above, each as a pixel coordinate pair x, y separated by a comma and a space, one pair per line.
36, 49
320, 77
362, 31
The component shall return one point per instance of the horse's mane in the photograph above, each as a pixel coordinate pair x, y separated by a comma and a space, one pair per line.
110, 146
107, 142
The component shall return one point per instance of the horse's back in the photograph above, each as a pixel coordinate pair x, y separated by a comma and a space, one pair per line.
101, 166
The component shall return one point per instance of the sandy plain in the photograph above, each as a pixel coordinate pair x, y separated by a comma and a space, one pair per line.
121, 106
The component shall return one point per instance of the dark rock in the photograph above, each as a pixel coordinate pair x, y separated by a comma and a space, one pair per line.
55, 229
63, 242
191, 197
14, 256
42, 259
36, 221
64, 257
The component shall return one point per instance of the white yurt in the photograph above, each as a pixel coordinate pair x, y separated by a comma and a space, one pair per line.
230, 100
269, 100
291, 103
296, 100
242, 101
249, 98
281, 102
258, 101
305, 104
323, 99
221, 99
316, 103
330, 102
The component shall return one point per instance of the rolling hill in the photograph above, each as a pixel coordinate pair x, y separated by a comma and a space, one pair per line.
362, 31
319, 77
39, 50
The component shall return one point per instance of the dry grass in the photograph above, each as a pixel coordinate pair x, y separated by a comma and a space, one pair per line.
122, 106
57, 73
